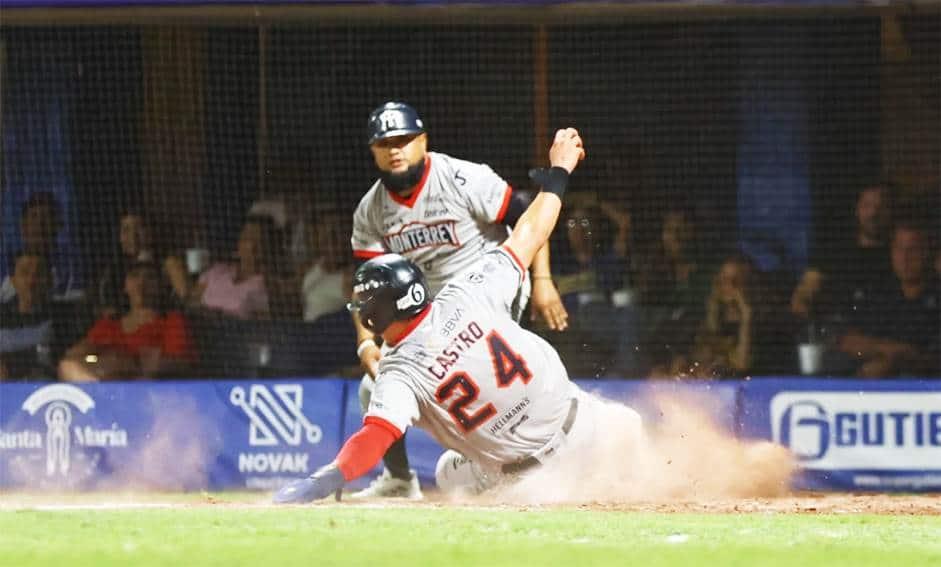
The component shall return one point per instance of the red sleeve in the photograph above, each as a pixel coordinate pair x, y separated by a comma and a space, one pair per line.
365, 448
176, 340
366, 254
501, 214
102, 333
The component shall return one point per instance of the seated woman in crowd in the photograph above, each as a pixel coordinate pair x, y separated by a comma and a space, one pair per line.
734, 338
142, 343
327, 284
136, 244
240, 289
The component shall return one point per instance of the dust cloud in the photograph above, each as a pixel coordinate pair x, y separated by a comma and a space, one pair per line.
683, 457
176, 452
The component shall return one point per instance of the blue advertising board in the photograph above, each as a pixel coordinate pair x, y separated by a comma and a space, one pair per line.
176, 435
858, 435
851, 434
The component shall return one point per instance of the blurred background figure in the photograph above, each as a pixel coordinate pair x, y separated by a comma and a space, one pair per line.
29, 343
589, 265
673, 284
327, 284
240, 288
893, 329
725, 344
143, 342
39, 224
846, 267
136, 244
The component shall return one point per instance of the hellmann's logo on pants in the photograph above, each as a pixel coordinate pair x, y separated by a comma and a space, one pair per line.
850, 430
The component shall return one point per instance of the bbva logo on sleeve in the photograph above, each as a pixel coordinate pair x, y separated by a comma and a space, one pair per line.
851, 430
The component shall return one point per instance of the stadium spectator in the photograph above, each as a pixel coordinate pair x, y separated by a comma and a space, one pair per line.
240, 289
144, 342
590, 265
327, 285
893, 328
291, 213
40, 222
673, 284
136, 244
844, 273
726, 342
27, 327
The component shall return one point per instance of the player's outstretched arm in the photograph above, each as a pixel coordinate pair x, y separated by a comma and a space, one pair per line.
359, 455
537, 223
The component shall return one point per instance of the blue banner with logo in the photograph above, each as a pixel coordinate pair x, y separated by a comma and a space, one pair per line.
849, 434
176, 435
875, 435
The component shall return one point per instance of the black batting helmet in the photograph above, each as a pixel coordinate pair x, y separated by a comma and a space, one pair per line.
388, 288
393, 119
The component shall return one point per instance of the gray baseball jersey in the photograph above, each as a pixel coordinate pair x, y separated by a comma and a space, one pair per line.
466, 372
449, 220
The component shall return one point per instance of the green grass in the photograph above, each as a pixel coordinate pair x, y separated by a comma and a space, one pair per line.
348, 535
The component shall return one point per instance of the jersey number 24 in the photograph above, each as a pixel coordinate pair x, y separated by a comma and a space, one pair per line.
462, 391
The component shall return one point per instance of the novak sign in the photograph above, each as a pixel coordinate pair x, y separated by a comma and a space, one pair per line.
860, 430
276, 422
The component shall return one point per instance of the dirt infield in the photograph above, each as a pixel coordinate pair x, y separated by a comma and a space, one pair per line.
913, 505
811, 503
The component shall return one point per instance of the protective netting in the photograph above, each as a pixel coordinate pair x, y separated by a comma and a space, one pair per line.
760, 195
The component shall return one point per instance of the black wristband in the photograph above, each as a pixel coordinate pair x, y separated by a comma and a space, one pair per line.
553, 179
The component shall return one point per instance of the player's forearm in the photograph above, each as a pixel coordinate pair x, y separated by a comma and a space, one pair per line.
541, 262
365, 449
534, 227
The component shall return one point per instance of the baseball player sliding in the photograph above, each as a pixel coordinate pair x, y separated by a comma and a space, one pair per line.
460, 365
441, 213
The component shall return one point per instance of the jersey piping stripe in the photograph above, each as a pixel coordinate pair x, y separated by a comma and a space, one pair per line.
516, 261
411, 326
379, 422
366, 254
416, 190
506, 204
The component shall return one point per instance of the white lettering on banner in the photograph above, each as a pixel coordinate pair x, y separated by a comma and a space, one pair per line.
273, 463
860, 430
61, 435
20, 440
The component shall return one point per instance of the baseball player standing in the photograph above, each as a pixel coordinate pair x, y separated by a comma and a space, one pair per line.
461, 367
441, 213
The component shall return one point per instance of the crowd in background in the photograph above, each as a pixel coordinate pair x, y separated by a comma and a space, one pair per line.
679, 306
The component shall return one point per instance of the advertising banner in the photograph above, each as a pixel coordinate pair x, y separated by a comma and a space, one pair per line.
849, 434
856, 435
179, 435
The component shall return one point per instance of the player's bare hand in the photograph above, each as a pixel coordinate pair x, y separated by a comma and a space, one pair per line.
547, 304
370, 360
567, 149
